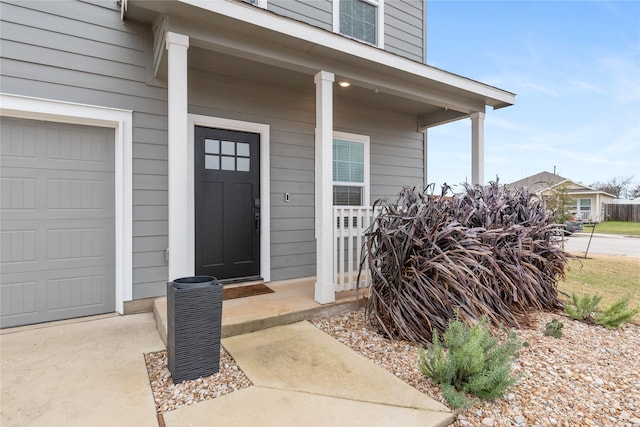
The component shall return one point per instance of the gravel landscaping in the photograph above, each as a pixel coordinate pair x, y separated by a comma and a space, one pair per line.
589, 377
169, 396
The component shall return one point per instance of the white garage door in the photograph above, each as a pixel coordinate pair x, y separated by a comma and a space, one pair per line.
57, 221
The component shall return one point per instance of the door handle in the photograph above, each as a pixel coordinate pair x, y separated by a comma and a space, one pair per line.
256, 220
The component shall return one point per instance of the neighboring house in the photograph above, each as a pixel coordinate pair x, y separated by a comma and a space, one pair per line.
588, 203
144, 141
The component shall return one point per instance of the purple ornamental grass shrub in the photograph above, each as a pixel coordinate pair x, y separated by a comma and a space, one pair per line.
484, 252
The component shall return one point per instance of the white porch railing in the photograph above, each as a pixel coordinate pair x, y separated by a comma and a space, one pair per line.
350, 224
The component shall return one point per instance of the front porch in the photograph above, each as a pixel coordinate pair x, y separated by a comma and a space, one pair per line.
298, 87
294, 300
291, 301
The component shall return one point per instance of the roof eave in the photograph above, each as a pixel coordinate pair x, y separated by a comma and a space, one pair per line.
318, 38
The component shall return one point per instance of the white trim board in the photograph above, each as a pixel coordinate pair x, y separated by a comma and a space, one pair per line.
265, 190
122, 122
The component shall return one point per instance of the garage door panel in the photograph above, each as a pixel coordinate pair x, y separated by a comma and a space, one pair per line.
18, 194
18, 140
18, 299
57, 223
17, 246
41, 296
76, 194
55, 195
27, 143
70, 245
83, 290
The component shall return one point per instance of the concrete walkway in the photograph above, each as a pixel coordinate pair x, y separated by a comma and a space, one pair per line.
92, 373
89, 373
303, 377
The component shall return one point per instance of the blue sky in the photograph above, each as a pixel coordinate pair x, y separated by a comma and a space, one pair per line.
575, 69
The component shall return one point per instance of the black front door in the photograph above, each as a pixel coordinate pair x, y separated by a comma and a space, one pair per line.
227, 203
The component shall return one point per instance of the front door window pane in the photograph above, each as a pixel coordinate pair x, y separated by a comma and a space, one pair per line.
211, 162
228, 163
242, 149
243, 164
228, 148
212, 146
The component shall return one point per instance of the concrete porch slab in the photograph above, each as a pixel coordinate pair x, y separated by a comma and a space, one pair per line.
292, 301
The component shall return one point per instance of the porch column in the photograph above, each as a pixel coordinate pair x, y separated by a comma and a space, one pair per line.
177, 45
477, 148
325, 290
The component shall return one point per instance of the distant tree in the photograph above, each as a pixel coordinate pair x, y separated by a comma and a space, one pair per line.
560, 203
618, 186
634, 193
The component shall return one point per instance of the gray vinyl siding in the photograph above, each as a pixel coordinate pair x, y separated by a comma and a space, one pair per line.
82, 52
313, 12
396, 149
404, 28
403, 21
396, 154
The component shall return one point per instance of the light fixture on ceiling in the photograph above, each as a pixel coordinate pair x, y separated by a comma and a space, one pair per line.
343, 83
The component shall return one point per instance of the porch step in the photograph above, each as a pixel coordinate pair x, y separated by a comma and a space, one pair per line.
291, 302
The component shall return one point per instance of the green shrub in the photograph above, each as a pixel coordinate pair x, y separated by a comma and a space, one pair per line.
554, 328
582, 308
617, 314
474, 362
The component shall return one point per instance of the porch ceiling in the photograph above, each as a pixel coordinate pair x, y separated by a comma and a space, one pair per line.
256, 44
242, 68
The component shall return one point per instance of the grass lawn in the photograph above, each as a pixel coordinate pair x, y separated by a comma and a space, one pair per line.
616, 227
611, 277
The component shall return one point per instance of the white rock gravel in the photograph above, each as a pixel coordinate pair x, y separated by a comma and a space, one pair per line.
169, 396
589, 377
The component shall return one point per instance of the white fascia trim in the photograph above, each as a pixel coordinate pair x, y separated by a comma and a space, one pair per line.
320, 37
93, 115
264, 131
366, 141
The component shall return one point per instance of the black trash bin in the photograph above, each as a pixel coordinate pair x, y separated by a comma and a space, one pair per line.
194, 317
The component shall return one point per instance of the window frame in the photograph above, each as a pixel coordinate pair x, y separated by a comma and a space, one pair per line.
583, 212
365, 140
259, 3
379, 4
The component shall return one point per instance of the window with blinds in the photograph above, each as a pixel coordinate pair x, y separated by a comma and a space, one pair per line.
359, 19
349, 183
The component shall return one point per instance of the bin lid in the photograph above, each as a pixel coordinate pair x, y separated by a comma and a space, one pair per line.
194, 282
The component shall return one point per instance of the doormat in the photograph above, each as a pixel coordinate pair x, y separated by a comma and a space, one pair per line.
246, 291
